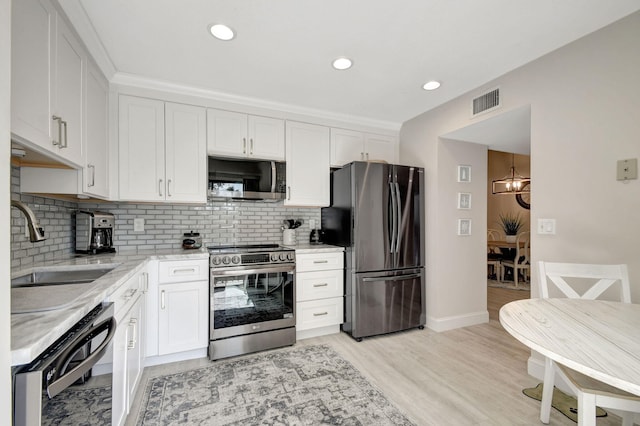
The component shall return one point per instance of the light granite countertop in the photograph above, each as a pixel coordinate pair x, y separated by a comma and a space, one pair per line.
315, 248
32, 333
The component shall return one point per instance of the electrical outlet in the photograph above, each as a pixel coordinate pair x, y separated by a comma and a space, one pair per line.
138, 224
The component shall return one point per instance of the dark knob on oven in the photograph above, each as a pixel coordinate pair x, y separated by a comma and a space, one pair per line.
290, 256
274, 257
215, 260
235, 259
226, 260
283, 256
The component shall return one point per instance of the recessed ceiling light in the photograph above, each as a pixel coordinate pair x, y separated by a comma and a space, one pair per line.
431, 85
342, 63
221, 32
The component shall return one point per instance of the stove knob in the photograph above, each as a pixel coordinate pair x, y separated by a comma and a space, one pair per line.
226, 260
235, 259
215, 260
290, 257
283, 257
274, 257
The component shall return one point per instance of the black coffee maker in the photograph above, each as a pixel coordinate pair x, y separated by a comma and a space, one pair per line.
94, 232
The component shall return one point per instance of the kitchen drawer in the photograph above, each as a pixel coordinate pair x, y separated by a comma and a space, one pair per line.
319, 285
128, 293
319, 313
319, 261
176, 271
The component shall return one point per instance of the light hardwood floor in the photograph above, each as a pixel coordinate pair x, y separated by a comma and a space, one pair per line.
497, 297
469, 376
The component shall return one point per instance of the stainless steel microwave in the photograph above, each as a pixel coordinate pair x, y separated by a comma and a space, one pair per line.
255, 180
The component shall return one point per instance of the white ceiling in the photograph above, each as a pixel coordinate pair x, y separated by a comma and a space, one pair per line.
283, 50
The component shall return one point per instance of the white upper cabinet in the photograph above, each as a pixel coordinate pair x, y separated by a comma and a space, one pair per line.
141, 149
233, 134
349, 145
95, 174
186, 153
48, 68
155, 167
308, 168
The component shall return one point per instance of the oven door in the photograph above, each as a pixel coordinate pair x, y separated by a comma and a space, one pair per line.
251, 300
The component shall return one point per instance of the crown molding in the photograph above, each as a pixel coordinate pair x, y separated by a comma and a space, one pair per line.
133, 80
77, 15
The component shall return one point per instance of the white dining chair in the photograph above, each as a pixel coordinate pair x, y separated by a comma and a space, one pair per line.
494, 255
521, 260
585, 281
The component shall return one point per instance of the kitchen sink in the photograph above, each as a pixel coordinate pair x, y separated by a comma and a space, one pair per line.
60, 276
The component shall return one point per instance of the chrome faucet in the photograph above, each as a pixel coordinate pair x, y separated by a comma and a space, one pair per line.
36, 233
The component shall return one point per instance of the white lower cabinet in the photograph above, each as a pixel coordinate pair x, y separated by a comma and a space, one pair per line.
319, 292
128, 347
178, 311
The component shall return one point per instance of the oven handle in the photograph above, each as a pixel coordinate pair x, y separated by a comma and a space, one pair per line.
64, 379
261, 270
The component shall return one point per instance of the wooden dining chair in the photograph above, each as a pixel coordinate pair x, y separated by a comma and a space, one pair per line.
585, 281
521, 260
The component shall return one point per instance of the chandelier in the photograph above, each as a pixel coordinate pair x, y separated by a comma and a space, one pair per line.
513, 183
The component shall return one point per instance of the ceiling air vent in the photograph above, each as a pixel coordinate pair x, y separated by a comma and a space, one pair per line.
486, 102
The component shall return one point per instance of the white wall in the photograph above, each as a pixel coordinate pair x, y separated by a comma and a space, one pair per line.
5, 174
585, 115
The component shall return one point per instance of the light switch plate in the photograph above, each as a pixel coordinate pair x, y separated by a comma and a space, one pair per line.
138, 224
546, 226
627, 169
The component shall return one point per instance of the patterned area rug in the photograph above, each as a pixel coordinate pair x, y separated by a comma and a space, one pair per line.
309, 385
78, 406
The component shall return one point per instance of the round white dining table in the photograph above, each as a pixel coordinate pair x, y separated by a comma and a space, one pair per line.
597, 338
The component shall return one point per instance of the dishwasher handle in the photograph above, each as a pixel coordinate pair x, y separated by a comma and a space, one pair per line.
63, 379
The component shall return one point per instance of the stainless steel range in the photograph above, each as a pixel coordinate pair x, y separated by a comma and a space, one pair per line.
252, 299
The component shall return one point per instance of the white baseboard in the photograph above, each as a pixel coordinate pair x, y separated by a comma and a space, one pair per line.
457, 321
181, 356
315, 332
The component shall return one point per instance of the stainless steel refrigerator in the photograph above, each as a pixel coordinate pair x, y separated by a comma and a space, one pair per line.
377, 214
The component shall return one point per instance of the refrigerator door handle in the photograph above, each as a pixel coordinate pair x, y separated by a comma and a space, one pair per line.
394, 219
398, 217
396, 278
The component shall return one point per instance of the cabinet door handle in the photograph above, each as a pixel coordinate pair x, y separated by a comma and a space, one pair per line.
321, 261
162, 304
93, 174
64, 125
319, 314
367, 154
59, 141
251, 146
244, 145
289, 193
362, 155
169, 188
321, 285
160, 188
133, 322
145, 281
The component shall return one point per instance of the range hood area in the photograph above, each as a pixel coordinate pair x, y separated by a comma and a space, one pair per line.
246, 180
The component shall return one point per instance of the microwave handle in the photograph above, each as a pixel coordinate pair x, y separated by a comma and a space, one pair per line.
273, 176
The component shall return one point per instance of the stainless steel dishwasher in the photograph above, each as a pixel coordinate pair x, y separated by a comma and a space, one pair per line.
63, 363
